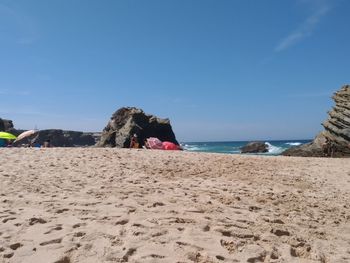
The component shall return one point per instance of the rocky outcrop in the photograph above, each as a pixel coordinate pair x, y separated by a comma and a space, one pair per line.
312, 149
336, 130
128, 121
255, 147
6, 125
60, 138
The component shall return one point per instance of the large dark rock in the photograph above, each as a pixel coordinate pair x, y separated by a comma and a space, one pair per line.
129, 120
255, 147
6, 125
336, 130
2, 125
61, 138
312, 149
58, 138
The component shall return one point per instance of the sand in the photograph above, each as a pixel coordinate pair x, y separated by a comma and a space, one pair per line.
120, 205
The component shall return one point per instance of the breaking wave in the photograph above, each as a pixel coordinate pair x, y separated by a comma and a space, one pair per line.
274, 149
233, 147
294, 143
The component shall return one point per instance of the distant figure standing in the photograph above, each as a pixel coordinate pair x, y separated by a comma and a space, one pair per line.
332, 149
134, 143
34, 142
47, 144
326, 147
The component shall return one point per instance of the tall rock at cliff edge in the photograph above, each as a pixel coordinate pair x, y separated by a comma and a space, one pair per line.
336, 129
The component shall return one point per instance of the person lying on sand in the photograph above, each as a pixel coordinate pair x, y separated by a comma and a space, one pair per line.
146, 145
134, 143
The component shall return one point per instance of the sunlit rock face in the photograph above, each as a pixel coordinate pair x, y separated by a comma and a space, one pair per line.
128, 121
336, 130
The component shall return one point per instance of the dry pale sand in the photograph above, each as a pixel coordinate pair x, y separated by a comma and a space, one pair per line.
121, 205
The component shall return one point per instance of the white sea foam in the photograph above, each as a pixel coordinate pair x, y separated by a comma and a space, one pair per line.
274, 149
294, 143
191, 147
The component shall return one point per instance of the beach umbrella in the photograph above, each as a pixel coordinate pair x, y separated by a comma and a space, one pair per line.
26, 134
7, 136
155, 143
170, 146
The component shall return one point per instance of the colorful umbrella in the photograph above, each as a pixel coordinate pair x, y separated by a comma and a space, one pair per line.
155, 143
25, 135
170, 146
7, 136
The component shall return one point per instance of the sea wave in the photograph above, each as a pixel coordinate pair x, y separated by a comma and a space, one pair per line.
294, 143
274, 149
191, 147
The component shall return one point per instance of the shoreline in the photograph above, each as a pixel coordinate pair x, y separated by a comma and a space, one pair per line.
127, 205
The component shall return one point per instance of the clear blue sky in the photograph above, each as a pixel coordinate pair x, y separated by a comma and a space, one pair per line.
220, 70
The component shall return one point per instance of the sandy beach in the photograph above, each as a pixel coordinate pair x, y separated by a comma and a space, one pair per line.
68, 205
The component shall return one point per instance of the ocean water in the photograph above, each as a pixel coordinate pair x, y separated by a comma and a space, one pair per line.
275, 147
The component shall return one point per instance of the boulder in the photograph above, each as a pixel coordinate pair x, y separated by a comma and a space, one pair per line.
312, 149
6, 125
255, 147
61, 138
336, 130
58, 138
130, 120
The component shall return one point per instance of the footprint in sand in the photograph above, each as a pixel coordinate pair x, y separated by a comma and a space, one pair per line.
65, 259
56, 228
79, 225
15, 246
280, 232
34, 220
79, 234
8, 255
220, 257
206, 228
60, 211
157, 204
159, 233
8, 219
153, 256
53, 241
122, 222
237, 232
129, 253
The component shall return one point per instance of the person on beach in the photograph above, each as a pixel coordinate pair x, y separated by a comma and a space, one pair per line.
332, 149
47, 144
34, 142
134, 143
9, 143
326, 147
146, 145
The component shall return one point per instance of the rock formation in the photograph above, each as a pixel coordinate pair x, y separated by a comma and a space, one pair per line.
58, 138
128, 121
6, 125
255, 147
61, 138
336, 130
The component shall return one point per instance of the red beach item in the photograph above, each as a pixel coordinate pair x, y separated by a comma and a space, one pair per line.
155, 143
170, 146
